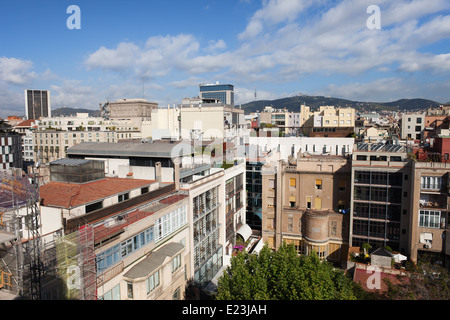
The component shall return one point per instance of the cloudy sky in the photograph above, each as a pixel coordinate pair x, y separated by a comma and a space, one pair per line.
162, 50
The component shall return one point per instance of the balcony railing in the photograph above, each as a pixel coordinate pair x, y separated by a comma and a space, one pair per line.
109, 274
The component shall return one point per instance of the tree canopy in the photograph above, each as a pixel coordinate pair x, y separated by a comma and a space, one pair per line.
282, 275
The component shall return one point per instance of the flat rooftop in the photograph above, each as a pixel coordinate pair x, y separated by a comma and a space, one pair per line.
379, 147
130, 149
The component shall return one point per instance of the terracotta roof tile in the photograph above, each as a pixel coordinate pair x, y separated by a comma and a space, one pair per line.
69, 195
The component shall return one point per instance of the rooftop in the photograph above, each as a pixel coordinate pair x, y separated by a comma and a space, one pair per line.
379, 147
154, 260
161, 150
68, 195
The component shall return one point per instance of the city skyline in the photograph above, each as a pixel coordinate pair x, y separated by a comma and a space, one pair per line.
162, 51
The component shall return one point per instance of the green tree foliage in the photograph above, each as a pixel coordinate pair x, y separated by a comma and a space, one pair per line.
282, 275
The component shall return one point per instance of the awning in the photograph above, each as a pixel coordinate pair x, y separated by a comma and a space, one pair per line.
245, 231
399, 257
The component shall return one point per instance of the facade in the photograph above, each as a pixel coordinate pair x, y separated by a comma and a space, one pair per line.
222, 92
218, 206
135, 110
153, 160
305, 202
380, 196
430, 205
206, 202
327, 121
11, 147
26, 129
412, 126
53, 136
287, 122
139, 233
37, 104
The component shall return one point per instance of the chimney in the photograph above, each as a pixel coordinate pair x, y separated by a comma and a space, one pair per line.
158, 171
176, 173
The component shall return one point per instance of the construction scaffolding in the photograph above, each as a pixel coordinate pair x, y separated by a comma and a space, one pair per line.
34, 267
76, 264
20, 241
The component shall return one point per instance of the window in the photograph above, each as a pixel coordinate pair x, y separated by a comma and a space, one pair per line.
292, 182
432, 183
292, 201
153, 282
308, 202
170, 223
342, 185
319, 184
176, 294
113, 294
176, 263
318, 203
123, 197
430, 219
130, 290
271, 183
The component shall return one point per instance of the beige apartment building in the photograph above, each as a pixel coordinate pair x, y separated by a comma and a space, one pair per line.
327, 121
305, 202
430, 206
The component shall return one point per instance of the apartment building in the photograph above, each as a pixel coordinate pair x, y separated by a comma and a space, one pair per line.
141, 160
134, 110
380, 196
218, 202
139, 233
287, 122
26, 130
327, 121
53, 144
412, 126
430, 206
305, 202
261, 149
55, 135
11, 147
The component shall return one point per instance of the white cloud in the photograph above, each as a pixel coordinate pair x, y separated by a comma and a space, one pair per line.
16, 71
273, 12
117, 59
290, 40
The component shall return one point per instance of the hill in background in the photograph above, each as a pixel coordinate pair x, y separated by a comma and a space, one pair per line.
73, 112
293, 104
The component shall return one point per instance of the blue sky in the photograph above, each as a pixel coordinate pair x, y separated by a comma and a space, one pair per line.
162, 50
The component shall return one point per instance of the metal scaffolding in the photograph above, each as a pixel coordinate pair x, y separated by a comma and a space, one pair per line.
20, 249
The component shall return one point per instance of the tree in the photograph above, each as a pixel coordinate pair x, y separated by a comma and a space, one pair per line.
282, 275
426, 281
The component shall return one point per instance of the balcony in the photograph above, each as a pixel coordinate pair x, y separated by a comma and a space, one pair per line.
433, 201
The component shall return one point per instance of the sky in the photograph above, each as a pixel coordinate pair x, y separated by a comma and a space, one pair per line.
163, 50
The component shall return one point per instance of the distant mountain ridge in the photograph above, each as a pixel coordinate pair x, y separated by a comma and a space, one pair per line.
293, 104
73, 112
